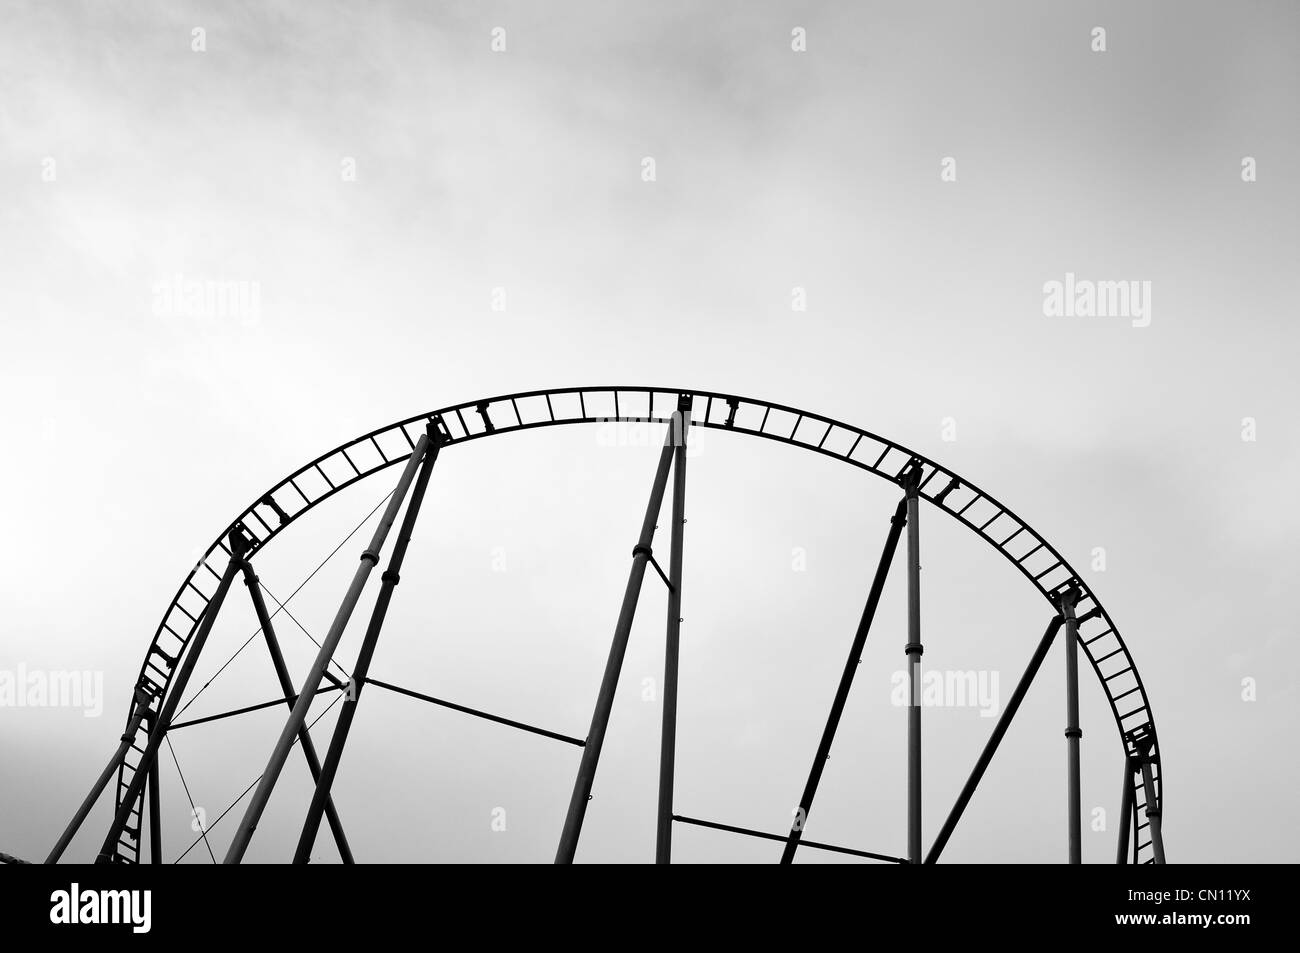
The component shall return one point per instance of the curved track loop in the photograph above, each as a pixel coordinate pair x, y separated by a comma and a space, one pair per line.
1002, 529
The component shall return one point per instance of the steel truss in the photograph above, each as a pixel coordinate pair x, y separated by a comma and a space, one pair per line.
416, 444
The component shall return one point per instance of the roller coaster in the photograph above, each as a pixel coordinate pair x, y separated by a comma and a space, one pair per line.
415, 444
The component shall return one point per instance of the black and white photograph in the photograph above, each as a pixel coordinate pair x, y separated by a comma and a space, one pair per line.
518, 432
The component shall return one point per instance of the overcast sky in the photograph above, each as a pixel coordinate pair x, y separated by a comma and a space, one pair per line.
417, 219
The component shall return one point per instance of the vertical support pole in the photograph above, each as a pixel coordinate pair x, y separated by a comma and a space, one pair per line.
142, 700
286, 686
672, 642
846, 681
1125, 812
155, 815
391, 577
1074, 808
298, 717
641, 553
995, 739
161, 722
1152, 809
913, 652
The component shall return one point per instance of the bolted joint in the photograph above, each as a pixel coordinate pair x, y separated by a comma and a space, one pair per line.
642, 550
1066, 599
390, 576
239, 543
372, 558
910, 478
914, 648
1074, 732
942, 495
1091, 614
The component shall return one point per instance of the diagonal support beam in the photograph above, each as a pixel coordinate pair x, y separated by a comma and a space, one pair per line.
298, 717
749, 832
158, 728
995, 739
672, 643
286, 686
142, 700
465, 709
392, 576
846, 681
568, 846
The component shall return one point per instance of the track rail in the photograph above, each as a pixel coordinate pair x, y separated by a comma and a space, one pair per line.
997, 524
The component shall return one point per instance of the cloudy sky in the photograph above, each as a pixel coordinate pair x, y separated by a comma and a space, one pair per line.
862, 228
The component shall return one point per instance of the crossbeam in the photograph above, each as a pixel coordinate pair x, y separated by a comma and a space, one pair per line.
817, 845
260, 706
465, 709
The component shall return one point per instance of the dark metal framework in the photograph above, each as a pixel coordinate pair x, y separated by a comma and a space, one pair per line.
416, 443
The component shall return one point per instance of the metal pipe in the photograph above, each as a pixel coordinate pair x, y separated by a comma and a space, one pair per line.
913, 651
369, 558
846, 680
465, 709
128, 736
1073, 733
672, 642
995, 739
618, 648
160, 723
1125, 812
1153, 811
732, 829
321, 798
286, 686
155, 815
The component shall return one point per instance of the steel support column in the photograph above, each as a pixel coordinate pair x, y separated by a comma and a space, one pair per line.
995, 739
391, 577
155, 815
672, 641
1152, 809
286, 686
846, 681
1125, 812
162, 721
142, 700
1072, 731
298, 717
641, 554
913, 652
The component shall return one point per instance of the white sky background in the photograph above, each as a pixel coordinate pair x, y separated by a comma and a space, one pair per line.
133, 437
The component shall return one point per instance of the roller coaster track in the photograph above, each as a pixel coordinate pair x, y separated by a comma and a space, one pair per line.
955, 496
